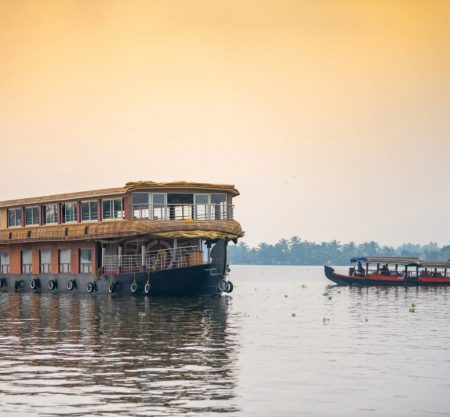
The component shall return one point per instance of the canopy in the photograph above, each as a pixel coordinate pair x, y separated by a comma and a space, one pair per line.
433, 264
386, 260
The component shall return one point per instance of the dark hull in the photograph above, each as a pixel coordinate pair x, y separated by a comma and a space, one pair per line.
378, 280
194, 280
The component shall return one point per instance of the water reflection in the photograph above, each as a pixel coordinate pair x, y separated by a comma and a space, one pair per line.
72, 355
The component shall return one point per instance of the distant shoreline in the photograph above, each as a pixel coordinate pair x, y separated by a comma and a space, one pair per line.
294, 251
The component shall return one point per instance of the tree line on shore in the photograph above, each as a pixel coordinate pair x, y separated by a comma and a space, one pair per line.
295, 251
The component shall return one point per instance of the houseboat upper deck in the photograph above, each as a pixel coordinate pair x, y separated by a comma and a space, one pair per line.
145, 237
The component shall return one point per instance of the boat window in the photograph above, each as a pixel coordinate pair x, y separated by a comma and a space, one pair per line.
201, 202
180, 206
50, 213
218, 198
45, 258
27, 260
219, 206
64, 260
4, 262
85, 261
89, 210
112, 209
141, 206
14, 217
31, 215
69, 212
159, 202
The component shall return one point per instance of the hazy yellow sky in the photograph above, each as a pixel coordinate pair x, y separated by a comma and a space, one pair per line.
331, 117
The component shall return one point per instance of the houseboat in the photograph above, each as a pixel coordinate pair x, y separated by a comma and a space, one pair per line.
144, 238
372, 270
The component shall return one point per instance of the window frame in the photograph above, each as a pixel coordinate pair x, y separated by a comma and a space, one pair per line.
64, 214
90, 219
44, 213
164, 208
4, 267
111, 202
41, 269
82, 264
32, 208
140, 210
61, 269
29, 268
15, 209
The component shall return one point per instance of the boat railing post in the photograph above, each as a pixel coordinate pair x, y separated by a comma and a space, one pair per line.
175, 252
119, 258
103, 256
208, 246
143, 258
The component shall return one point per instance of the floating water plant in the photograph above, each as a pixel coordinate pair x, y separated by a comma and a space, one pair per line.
293, 315
141, 314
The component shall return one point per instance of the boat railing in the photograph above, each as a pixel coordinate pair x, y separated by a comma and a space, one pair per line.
153, 261
183, 211
4, 269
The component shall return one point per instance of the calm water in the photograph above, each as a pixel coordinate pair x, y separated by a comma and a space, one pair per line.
282, 345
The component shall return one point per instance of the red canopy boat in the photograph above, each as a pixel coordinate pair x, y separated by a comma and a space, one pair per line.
372, 270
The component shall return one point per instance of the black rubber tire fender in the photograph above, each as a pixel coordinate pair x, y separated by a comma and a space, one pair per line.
71, 284
222, 286
52, 284
133, 287
34, 283
147, 288
90, 287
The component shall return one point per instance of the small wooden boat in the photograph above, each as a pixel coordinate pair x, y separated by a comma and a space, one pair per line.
371, 270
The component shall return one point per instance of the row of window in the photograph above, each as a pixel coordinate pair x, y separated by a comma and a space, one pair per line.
111, 209
45, 261
160, 206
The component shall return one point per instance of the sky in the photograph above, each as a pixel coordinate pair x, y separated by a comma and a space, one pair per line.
330, 116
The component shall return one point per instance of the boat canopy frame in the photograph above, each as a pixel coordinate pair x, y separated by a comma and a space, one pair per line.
392, 260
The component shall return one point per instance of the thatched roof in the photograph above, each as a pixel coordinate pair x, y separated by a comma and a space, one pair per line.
226, 229
110, 192
181, 185
106, 192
